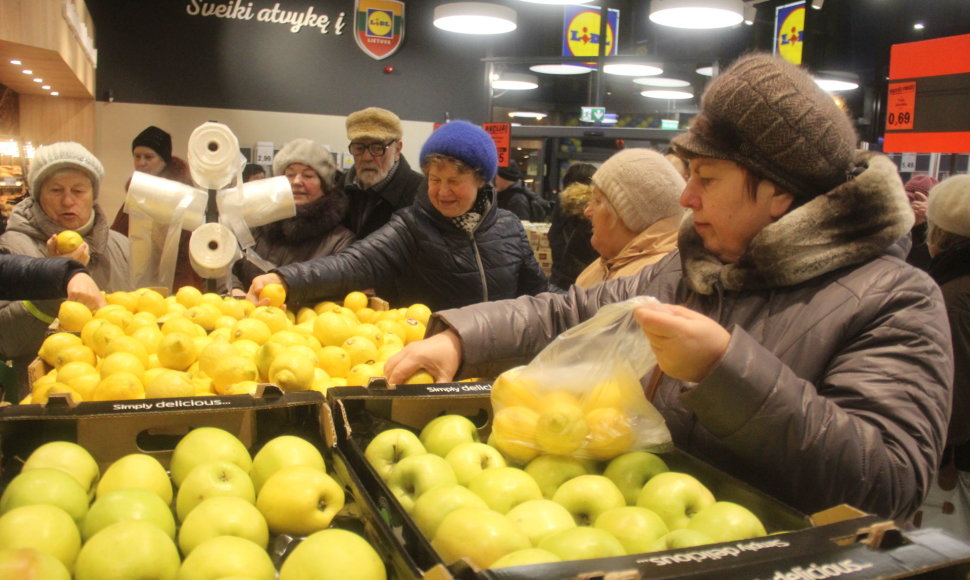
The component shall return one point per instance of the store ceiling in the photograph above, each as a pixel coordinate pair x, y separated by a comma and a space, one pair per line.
46, 65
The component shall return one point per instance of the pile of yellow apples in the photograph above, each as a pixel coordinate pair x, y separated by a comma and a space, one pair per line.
145, 345
212, 516
474, 502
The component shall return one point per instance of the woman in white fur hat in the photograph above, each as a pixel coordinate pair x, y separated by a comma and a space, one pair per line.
64, 180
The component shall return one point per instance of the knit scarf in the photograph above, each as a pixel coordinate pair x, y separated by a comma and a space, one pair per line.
854, 222
311, 221
468, 221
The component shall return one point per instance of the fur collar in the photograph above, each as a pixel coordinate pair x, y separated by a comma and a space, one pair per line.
311, 222
850, 224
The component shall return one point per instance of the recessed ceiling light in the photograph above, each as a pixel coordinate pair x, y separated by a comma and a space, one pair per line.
706, 71
516, 82
16, 62
54, 93
560, 69
919, 26
46, 87
527, 115
475, 18
669, 94
632, 70
27, 71
699, 14
661, 82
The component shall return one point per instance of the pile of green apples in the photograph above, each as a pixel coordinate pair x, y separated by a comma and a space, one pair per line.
210, 515
473, 502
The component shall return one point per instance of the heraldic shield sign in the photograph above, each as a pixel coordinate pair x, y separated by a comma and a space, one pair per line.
379, 27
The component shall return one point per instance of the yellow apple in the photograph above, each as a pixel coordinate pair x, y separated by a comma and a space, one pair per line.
68, 241
128, 550
333, 554
299, 500
226, 556
283, 451
222, 516
205, 444
25, 563
137, 470
68, 457
46, 528
480, 535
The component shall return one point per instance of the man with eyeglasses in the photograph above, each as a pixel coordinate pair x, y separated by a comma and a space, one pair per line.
381, 180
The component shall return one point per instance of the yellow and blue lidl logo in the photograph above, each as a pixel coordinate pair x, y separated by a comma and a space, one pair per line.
581, 31
790, 31
379, 27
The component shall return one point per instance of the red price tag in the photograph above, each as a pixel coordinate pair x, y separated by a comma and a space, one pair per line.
900, 106
502, 135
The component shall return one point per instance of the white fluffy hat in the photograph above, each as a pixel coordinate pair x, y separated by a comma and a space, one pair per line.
641, 185
949, 207
307, 152
49, 159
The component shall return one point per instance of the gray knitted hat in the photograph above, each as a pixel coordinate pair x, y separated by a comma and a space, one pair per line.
309, 153
49, 159
769, 116
641, 185
374, 123
949, 207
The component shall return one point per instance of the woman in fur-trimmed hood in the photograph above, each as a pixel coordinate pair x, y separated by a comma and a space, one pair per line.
795, 349
315, 230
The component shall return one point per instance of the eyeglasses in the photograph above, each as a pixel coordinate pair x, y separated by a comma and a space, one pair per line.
376, 149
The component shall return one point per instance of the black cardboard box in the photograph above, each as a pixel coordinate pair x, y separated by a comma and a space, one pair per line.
838, 542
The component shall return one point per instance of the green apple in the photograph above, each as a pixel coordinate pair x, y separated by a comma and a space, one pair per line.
551, 471
587, 496
632, 470
675, 497
539, 518
43, 527
128, 504
48, 486
471, 458
212, 479
223, 516
31, 564
480, 535
683, 538
503, 488
206, 444
280, 452
443, 433
128, 550
437, 502
333, 554
525, 557
388, 447
300, 500
416, 474
637, 528
582, 543
69, 457
726, 521
226, 556
137, 470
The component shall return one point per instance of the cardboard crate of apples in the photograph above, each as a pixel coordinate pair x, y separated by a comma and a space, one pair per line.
213, 514
473, 502
145, 345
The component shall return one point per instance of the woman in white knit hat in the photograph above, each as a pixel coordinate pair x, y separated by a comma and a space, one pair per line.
64, 180
316, 229
634, 212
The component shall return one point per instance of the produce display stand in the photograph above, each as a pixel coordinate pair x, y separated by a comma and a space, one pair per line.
839, 542
112, 429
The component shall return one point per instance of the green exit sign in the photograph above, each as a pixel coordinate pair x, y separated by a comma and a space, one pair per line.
592, 114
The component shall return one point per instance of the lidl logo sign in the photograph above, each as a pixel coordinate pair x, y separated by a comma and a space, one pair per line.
790, 31
581, 31
379, 27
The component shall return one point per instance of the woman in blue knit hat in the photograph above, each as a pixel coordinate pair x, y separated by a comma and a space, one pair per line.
452, 247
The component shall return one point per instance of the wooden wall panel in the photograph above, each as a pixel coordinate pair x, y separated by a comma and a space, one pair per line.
48, 119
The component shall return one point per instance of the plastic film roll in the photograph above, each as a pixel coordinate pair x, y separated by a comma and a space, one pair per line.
214, 157
259, 202
166, 201
212, 249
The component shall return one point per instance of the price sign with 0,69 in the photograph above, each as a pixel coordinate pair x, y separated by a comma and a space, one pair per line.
900, 106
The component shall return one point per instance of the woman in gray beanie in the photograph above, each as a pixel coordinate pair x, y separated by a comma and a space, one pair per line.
316, 229
454, 246
634, 212
795, 349
64, 179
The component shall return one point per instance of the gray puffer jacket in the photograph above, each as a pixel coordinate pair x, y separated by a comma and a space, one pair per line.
836, 384
21, 333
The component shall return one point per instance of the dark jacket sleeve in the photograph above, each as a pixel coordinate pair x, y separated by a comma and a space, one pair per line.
27, 278
519, 205
370, 262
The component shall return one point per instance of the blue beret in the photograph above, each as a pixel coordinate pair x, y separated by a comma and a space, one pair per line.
465, 141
